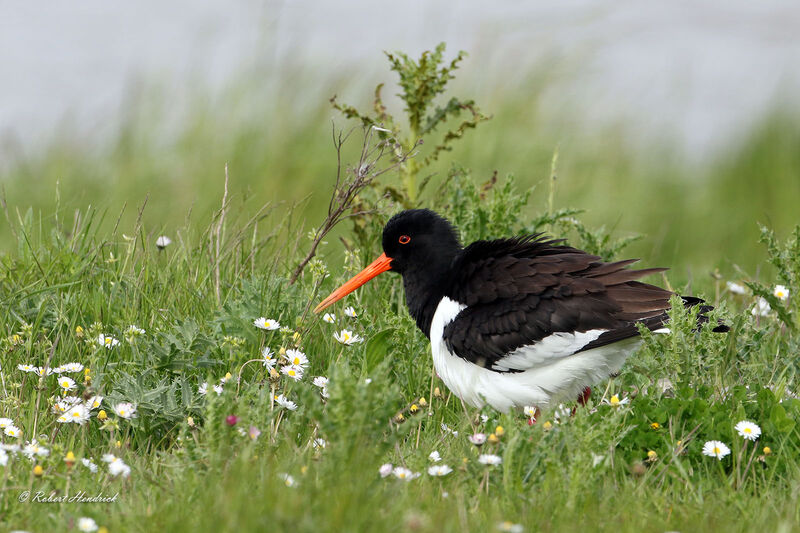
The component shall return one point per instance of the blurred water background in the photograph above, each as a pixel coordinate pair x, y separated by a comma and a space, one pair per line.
678, 121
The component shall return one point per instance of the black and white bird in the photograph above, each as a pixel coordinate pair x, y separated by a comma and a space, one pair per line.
524, 321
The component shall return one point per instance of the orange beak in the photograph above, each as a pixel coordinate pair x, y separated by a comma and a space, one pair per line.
381, 264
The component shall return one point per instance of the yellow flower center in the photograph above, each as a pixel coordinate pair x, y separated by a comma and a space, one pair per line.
296, 361
292, 373
748, 430
614, 400
717, 450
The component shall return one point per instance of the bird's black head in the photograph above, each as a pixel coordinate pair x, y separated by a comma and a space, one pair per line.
419, 239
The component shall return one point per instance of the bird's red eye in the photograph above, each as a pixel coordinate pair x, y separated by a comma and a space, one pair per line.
404, 239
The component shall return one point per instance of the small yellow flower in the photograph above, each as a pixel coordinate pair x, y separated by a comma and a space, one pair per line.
190, 422
103, 529
38, 471
493, 439
282, 351
119, 444
303, 469
547, 425
69, 459
499, 431
273, 374
296, 337
423, 402
399, 418
102, 415
437, 393
464, 460
228, 376
652, 456
655, 425
79, 332
767, 450
414, 408
614, 401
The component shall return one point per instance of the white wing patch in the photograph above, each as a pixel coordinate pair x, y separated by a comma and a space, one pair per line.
555, 346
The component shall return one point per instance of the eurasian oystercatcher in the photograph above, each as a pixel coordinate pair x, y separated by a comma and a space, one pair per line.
525, 321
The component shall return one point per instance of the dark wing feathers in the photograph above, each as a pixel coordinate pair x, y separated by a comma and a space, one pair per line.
519, 291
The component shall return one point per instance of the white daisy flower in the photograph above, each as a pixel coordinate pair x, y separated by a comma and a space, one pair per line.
125, 410
761, 308
510, 527
329, 318
107, 341
27, 368
386, 469
294, 372
34, 449
715, 448
530, 411
780, 292
132, 332
65, 404
477, 439
490, 459
72, 367
320, 381
5, 422
90, 465
66, 383
94, 402
202, 390
41, 371
447, 429
347, 337
748, 430
285, 402
117, 467
434, 457
267, 324
735, 288
439, 470
287, 480
319, 443
218, 389
405, 474
268, 358
77, 414
13, 431
616, 401
87, 525
349, 311
13, 448
297, 358
3, 457
324, 392
163, 241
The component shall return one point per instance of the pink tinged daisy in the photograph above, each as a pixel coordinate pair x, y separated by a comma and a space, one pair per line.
253, 433
748, 430
266, 324
285, 403
386, 469
329, 318
490, 459
349, 311
347, 337
66, 383
439, 470
715, 448
780, 292
477, 439
294, 372
405, 474
125, 410
297, 358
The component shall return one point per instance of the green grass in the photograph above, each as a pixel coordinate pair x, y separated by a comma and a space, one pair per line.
66, 265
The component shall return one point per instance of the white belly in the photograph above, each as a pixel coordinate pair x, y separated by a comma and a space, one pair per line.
547, 381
